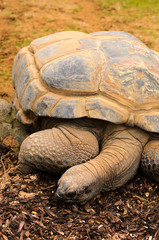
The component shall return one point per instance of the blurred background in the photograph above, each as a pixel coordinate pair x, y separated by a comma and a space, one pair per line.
21, 21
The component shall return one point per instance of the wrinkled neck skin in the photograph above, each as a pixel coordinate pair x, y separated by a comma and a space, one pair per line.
154, 136
95, 126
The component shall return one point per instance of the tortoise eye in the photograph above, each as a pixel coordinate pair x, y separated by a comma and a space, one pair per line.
71, 194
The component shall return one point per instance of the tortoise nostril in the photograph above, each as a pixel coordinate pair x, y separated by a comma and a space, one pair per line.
58, 195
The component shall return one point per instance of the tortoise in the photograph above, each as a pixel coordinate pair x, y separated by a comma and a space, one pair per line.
94, 102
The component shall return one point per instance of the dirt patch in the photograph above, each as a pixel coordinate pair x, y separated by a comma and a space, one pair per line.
22, 21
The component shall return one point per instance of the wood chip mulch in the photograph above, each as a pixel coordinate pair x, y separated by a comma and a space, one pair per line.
28, 209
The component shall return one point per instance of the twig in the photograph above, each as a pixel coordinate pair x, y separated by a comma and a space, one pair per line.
69, 235
4, 169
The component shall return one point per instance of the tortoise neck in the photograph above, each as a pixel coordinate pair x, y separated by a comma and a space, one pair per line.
95, 126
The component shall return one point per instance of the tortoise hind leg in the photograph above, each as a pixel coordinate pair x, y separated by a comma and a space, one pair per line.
55, 150
150, 160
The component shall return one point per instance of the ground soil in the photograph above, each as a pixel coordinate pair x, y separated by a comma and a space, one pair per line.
28, 209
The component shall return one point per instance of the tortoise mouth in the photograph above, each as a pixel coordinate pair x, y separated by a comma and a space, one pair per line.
67, 197
72, 195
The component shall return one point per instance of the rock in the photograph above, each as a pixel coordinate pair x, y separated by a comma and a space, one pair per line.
9, 125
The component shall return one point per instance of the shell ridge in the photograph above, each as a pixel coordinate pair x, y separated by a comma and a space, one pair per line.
59, 56
103, 62
47, 44
18, 80
51, 109
17, 67
37, 99
36, 48
31, 80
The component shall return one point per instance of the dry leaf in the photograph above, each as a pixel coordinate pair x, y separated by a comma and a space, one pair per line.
26, 195
21, 225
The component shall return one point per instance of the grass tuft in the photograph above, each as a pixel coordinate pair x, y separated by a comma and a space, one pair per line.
24, 42
77, 9
151, 6
6, 75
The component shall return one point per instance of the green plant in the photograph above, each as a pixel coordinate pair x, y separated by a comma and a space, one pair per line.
73, 27
5, 75
16, 24
24, 42
151, 6
77, 9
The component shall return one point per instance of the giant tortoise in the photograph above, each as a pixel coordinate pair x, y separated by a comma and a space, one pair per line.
94, 101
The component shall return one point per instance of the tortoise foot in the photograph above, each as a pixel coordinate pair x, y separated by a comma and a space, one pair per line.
78, 184
26, 168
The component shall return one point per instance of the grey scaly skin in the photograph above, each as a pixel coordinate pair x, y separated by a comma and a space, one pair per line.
105, 156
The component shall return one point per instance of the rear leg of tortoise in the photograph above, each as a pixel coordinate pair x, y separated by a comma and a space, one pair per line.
150, 160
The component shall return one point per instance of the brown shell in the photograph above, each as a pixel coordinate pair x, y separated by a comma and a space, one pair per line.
105, 75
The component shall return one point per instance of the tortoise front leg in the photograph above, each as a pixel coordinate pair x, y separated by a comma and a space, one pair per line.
55, 150
117, 163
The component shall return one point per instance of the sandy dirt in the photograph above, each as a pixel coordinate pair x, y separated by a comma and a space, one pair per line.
22, 21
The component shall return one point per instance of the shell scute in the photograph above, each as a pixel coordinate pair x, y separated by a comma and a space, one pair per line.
99, 108
24, 71
44, 104
55, 50
17, 61
75, 72
69, 108
21, 69
30, 73
25, 78
112, 34
129, 71
149, 121
33, 90
52, 38
88, 44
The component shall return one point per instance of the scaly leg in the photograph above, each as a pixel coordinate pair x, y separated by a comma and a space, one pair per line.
55, 150
117, 163
150, 160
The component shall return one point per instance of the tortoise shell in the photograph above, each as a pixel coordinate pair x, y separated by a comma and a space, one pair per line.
104, 75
